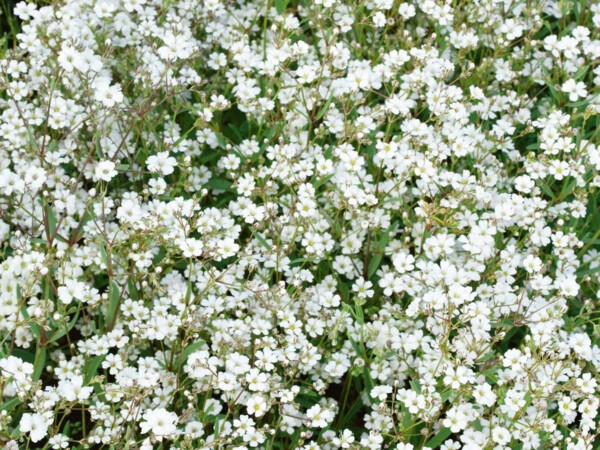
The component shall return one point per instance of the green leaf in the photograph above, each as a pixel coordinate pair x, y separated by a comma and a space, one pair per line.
24, 355
191, 348
324, 108
217, 183
10, 404
377, 257
51, 221
580, 74
567, 189
369, 385
52, 146
300, 260
97, 145
133, 292
406, 419
439, 438
486, 357
113, 305
103, 254
35, 328
91, 368
320, 182
127, 433
556, 93
280, 6
344, 291
374, 263
32, 141
446, 395
360, 316
356, 347
415, 386
352, 412
262, 240
64, 330
39, 362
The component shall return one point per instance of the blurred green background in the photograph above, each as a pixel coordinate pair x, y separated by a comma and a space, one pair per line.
9, 23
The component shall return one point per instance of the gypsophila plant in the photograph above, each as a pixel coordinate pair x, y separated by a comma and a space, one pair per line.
300, 225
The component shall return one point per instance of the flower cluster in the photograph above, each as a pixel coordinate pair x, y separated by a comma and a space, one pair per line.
300, 225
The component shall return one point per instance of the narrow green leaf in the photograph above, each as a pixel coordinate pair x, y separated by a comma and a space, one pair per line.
356, 347
359, 313
262, 240
439, 438
374, 263
446, 395
60, 332
91, 368
191, 348
97, 145
406, 418
377, 257
580, 74
555, 92
51, 220
113, 305
10, 404
133, 292
324, 108
35, 328
320, 182
39, 363
415, 386
486, 357
103, 254
369, 385
352, 412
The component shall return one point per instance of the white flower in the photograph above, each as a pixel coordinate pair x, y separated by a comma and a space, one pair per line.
59, 441
159, 422
191, 247
25, 10
381, 392
403, 262
524, 184
344, 440
501, 435
35, 424
227, 247
194, 429
72, 389
35, 178
107, 94
105, 171
455, 419
319, 417
575, 89
256, 406
161, 162
72, 289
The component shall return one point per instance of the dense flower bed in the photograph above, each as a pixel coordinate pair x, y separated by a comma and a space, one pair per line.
296, 224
